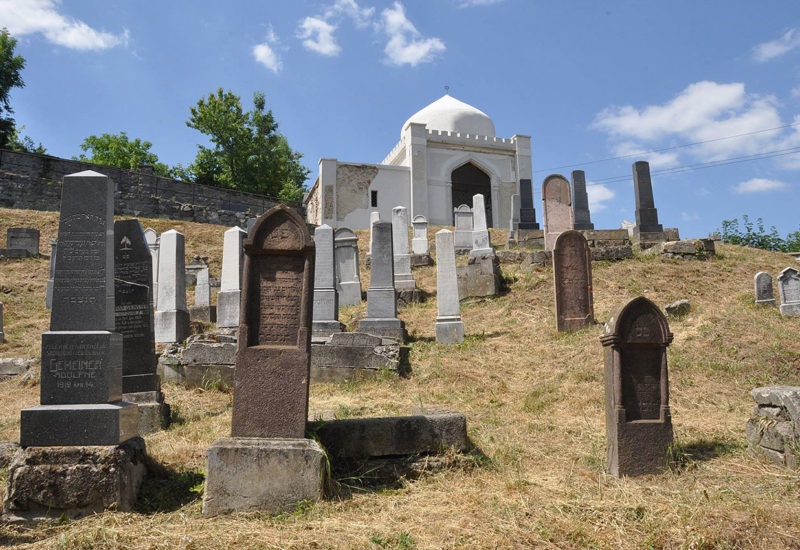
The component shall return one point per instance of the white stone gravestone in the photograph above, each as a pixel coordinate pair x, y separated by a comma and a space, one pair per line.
789, 288
481, 245
231, 280
151, 237
763, 286
172, 316
348, 274
462, 217
449, 327
419, 243
403, 279
326, 308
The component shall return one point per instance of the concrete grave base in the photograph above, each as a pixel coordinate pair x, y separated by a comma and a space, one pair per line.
89, 424
526, 238
690, 249
392, 328
153, 412
449, 331
171, 326
639, 447
273, 475
323, 329
791, 309
421, 260
480, 277
355, 355
647, 239
207, 361
409, 296
46, 483
228, 308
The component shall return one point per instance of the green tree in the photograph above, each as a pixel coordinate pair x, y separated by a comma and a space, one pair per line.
247, 152
10, 67
755, 236
118, 150
18, 142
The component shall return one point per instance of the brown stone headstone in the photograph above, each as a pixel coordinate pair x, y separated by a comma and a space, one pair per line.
638, 420
556, 208
270, 396
572, 278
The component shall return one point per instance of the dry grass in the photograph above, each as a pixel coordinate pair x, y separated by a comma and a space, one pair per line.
534, 403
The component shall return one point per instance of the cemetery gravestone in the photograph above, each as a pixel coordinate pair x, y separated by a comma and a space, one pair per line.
403, 280
557, 207
326, 306
373, 217
513, 225
572, 278
49, 292
763, 285
463, 223
231, 281
789, 289
381, 317
348, 274
580, 206
151, 237
527, 213
270, 399
647, 228
481, 245
23, 238
172, 317
449, 327
133, 306
419, 243
81, 375
2, 334
202, 310
638, 419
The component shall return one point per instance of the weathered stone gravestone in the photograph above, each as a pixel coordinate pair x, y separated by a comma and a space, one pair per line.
557, 208
572, 279
789, 290
513, 224
202, 309
647, 229
348, 274
381, 317
582, 219
81, 377
172, 317
527, 213
2, 334
419, 243
774, 428
763, 285
270, 399
373, 217
23, 238
481, 244
151, 237
326, 303
449, 327
638, 419
403, 279
462, 217
133, 319
48, 300
231, 280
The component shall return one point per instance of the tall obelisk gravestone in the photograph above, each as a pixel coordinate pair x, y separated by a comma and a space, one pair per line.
582, 219
81, 378
647, 230
267, 463
228, 297
326, 302
449, 327
133, 299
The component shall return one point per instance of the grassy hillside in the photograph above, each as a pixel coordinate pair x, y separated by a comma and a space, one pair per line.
534, 403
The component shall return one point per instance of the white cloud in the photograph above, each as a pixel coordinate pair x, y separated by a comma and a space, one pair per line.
22, 17
657, 160
759, 185
770, 50
406, 46
470, 3
265, 55
317, 36
796, 91
598, 194
317, 32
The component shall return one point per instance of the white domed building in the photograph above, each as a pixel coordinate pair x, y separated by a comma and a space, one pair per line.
447, 153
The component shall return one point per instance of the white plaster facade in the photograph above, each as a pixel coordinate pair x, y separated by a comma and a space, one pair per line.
418, 172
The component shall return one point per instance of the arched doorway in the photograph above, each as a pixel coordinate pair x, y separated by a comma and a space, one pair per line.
469, 180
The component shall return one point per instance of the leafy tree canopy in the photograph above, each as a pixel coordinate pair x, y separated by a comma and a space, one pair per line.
10, 68
247, 152
755, 236
118, 150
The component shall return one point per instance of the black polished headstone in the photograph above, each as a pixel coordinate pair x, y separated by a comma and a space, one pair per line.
133, 299
646, 213
581, 217
527, 213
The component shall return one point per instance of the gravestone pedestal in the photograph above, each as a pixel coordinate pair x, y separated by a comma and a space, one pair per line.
381, 317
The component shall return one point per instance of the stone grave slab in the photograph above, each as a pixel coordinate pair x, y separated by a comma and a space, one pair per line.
172, 317
403, 279
348, 273
789, 290
229, 294
381, 317
23, 238
763, 289
326, 299
449, 327
556, 208
462, 217
572, 281
481, 243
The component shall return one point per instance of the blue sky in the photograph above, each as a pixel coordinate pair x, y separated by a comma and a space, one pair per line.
587, 80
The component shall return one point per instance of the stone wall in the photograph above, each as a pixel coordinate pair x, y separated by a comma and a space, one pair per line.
33, 182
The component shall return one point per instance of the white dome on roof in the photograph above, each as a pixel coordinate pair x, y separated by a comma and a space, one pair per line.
448, 113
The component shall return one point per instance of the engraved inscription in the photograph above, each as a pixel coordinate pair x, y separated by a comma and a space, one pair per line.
573, 283
791, 289
280, 288
75, 366
641, 383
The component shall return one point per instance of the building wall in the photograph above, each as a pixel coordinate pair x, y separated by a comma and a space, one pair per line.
33, 182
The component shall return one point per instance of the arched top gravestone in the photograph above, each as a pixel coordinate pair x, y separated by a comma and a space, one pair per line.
638, 419
556, 207
789, 290
572, 278
270, 396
